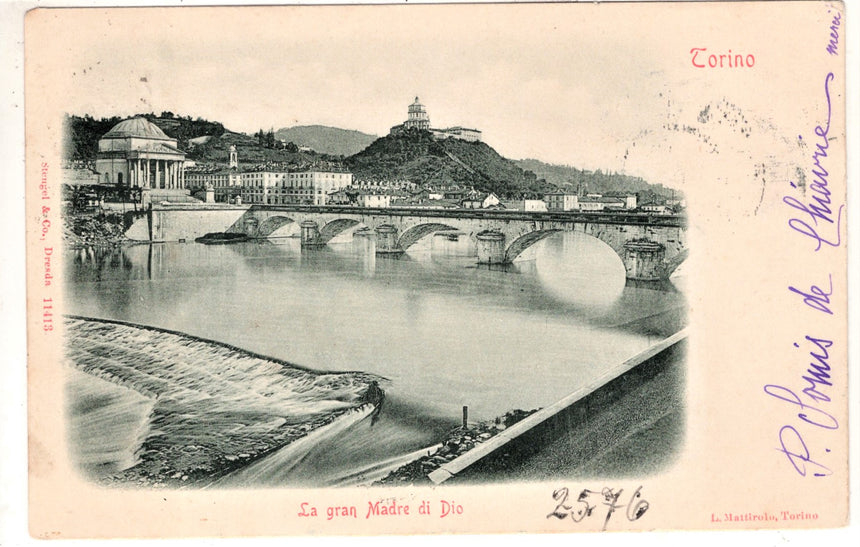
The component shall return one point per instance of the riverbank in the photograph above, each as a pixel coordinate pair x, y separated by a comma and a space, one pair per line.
213, 408
631, 426
88, 230
458, 442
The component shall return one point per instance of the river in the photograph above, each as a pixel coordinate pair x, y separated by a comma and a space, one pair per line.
444, 332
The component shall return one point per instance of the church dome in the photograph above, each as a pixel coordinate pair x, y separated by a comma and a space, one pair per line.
136, 127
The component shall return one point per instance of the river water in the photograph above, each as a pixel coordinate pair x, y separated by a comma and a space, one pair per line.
442, 331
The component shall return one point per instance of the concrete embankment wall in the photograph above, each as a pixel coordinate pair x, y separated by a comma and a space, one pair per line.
183, 223
630, 420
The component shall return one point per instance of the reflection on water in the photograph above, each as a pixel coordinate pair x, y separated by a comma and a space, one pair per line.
445, 332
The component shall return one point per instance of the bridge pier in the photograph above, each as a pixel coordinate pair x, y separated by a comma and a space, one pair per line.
643, 260
491, 247
310, 234
386, 240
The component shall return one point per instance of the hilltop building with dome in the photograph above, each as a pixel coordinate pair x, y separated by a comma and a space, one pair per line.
137, 154
417, 118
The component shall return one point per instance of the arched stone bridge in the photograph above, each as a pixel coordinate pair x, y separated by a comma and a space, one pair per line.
649, 246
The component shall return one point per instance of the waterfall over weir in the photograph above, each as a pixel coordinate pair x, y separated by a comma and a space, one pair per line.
176, 408
328, 456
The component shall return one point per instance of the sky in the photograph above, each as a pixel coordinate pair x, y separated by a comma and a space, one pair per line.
579, 85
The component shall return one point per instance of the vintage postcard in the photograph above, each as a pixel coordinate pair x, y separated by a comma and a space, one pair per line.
421, 269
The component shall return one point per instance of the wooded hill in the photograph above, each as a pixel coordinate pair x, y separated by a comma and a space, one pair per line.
571, 179
416, 156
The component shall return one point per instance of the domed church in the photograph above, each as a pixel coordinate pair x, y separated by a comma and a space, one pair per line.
136, 153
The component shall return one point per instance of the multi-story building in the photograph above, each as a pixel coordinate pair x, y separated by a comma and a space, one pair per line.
561, 201
464, 133
271, 187
226, 183
300, 188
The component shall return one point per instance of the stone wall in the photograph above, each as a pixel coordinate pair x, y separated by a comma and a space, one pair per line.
183, 223
630, 425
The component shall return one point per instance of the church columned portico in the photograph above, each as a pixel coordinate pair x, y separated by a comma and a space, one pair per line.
136, 153
158, 174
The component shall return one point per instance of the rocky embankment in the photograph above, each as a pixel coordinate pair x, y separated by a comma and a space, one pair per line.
459, 441
94, 231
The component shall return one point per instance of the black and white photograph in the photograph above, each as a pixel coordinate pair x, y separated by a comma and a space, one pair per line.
309, 304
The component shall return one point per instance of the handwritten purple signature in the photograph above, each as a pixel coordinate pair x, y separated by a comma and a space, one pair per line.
818, 218
819, 208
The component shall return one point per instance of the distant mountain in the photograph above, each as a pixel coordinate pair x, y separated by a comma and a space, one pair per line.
572, 179
327, 140
416, 156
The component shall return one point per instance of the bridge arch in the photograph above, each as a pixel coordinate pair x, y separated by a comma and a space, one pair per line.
519, 245
525, 241
335, 227
270, 224
413, 234
671, 264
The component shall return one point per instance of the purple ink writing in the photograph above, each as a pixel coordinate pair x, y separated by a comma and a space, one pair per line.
833, 45
792, 445
817, 298
818, 212
816, 377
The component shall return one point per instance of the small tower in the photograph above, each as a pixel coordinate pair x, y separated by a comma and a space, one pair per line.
417, 118
234, 157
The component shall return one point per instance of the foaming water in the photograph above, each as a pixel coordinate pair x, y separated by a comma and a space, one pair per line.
352, 450
146, 395
286, 464
107, 423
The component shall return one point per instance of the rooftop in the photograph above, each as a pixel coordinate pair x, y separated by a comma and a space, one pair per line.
136, 127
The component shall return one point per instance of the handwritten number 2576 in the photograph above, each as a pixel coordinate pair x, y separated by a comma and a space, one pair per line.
588, 500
